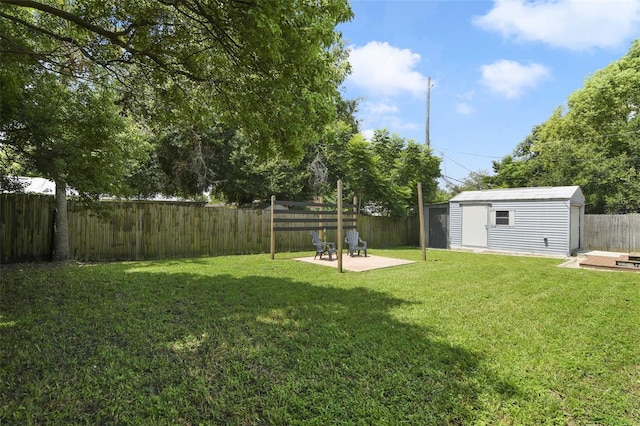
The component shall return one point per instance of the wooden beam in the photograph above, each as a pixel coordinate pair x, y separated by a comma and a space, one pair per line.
340, 227
308, 204
273, 233
313, 220
421, 216
312, 228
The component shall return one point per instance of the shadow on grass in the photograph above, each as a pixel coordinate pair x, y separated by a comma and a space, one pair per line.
186, 348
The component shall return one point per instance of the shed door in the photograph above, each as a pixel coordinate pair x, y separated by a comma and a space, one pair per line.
474, 226
438, 227
575, 227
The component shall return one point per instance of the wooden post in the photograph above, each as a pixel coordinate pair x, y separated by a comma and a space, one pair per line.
421, 215
139, 222
355, 210
320, 218
340, 237
273, 234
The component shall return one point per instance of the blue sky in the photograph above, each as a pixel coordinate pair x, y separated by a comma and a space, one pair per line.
497, 68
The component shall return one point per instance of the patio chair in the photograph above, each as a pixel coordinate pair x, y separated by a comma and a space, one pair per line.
322, 247
355, 243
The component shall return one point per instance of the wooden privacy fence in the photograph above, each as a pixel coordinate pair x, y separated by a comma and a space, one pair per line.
26, 227
150, 230
612, 232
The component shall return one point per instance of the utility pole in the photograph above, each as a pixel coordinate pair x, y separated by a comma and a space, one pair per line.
427, 140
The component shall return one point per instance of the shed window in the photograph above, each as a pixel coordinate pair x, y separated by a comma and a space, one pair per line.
503, 218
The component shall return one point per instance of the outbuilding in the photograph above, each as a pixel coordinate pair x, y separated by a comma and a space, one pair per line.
540, 220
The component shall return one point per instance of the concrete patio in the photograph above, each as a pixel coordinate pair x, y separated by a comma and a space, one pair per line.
357, 263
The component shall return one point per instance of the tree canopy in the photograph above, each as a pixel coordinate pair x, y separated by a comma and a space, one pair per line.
65, 130
269, 67
75, 75
385, 172
594, 143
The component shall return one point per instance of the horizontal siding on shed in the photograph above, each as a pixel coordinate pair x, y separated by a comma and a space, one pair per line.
534, 221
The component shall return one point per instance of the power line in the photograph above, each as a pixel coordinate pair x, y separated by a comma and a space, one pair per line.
447, 178
466, 153
464, 167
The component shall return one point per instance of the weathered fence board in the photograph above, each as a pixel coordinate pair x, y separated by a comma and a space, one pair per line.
26, 227
148, 230
612, 232
389, 232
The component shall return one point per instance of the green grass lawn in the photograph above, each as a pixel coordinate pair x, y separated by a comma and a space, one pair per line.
460, 339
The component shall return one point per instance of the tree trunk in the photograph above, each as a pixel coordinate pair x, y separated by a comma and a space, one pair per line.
61, 225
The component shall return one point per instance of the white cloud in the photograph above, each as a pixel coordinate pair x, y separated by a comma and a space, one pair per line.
383, 114
464, 105
383, 69
464, 108
510, 79
399, 124
467, 96
380, 107
573, 24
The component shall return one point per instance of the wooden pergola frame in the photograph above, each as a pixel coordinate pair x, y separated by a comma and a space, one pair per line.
333, 218
323, 216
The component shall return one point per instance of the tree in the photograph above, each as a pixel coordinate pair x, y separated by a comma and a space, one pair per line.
190, 160
69, 132
268, 67
475, 181
418, 164
403, 164
595, 143
387, 148
361, 172
187, 161
385, 172
247, 176
520, 169
327, 162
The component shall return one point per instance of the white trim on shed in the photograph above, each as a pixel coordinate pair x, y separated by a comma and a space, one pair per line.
542, 220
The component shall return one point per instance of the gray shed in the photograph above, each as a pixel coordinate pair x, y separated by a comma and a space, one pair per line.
544, 220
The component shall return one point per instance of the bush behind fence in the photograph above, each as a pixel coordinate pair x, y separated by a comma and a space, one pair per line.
151, 230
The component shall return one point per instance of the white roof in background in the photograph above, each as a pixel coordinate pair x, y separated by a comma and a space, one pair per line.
520, 194
38, 185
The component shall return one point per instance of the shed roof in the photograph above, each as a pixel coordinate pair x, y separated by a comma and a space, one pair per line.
521, 194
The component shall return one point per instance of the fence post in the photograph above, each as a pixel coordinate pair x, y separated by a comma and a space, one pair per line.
273, 234
320, 216
421, 216
339, 253
139, 222
355, 209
